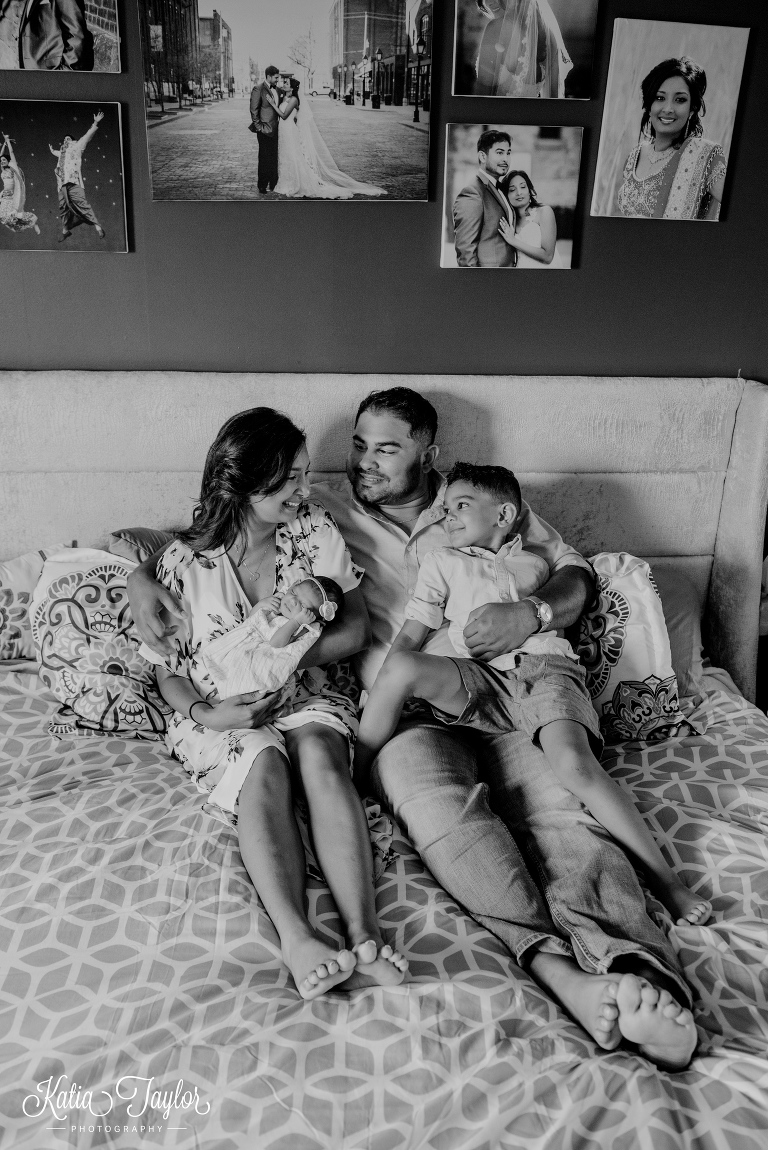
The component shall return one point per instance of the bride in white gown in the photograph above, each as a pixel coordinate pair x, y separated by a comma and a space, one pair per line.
535, 232
305, 166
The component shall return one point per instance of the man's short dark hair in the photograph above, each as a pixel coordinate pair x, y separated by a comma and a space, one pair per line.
272, 71
499, 482
490, 137
402, 403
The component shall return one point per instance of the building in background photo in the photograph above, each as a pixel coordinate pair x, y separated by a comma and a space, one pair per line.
347, 110
59, 35
524, 48
510, 196
668, 120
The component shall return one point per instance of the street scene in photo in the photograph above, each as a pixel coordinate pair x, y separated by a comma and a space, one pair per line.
288, 99
510, 196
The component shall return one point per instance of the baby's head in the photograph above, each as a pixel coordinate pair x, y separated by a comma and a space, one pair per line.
482, 505
318, 594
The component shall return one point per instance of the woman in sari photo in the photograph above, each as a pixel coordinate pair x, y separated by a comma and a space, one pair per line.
673, 172
13, 193
522, 51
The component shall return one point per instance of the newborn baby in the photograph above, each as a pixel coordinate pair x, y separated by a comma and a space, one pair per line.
262, 652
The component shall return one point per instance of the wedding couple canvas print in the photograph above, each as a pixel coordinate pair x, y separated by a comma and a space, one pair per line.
289, 100
510, 196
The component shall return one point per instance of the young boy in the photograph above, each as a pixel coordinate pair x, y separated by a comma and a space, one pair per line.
538, 689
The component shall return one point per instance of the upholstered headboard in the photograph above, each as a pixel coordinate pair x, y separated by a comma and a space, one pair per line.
675, 470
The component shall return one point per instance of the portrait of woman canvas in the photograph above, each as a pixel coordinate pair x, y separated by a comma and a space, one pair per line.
668, 122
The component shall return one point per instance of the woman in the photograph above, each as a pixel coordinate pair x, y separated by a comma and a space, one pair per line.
673, 172
13, 194
534, 235
522, 52
305, 166
252, 536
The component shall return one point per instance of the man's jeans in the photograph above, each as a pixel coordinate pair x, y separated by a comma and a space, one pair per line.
456, 793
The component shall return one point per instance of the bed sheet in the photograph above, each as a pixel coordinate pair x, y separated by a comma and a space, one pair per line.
136, 957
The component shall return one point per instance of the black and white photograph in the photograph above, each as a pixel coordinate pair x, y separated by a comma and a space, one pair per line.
530, 49
59, 35
62, 177
670, 109
510, 196
288, 99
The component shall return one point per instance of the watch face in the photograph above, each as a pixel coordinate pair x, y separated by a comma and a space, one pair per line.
545, 613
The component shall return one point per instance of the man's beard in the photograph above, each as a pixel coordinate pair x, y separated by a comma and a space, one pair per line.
387, 492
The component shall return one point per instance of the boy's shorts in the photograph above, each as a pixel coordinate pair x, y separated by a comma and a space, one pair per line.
538, 690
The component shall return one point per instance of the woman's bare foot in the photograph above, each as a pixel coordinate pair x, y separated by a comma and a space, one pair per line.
377, 965
590, 999
662, 1029
316, 967
687, 908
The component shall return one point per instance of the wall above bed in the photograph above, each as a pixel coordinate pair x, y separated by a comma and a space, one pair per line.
312, 286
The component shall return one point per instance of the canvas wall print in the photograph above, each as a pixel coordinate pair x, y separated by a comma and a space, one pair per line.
61, 165
530, 49
59, 35
668, 120
510, 196
288, 99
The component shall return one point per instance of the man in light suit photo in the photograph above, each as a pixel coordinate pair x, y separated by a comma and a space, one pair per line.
480, 207
264, 121
45, 34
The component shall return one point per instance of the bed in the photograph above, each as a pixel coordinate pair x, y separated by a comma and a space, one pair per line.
141, 989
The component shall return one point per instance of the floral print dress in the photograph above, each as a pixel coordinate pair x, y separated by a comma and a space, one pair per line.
214, 602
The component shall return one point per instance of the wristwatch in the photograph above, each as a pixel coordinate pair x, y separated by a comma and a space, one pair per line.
543, 612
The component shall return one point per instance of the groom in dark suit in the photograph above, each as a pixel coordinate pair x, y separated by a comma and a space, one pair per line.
264, 121
482, 205
45, 34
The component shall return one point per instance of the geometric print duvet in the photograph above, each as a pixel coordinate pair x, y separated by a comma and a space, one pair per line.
143, 1001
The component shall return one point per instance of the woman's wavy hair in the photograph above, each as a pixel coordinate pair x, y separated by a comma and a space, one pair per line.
252, 454
535, 201
295, 85
696, 79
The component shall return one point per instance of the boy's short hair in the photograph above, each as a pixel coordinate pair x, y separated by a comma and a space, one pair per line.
407, 405
499, 482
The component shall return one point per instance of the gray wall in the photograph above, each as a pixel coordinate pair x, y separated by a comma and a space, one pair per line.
359, 287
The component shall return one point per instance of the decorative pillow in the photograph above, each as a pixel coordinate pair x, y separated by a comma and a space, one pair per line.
682, 614
623, 644
137, 543
18, 579
88, 649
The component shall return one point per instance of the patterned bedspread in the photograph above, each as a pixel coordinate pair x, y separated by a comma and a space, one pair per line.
144, 1003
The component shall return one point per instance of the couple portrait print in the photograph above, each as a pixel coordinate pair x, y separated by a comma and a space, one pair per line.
510, 196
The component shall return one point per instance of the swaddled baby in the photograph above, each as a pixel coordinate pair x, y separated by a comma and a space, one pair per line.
262, 652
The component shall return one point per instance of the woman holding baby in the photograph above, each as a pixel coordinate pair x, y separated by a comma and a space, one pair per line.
260, 568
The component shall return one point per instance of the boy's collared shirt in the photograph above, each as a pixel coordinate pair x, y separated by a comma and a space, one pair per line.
453, 581
392, 560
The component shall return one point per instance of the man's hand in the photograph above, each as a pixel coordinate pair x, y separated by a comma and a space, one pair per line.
158, 615
98, 117
497, 628
240, 712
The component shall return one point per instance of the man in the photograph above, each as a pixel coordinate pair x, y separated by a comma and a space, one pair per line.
265, 121
482, 205
589, 940
50, 34
74, 208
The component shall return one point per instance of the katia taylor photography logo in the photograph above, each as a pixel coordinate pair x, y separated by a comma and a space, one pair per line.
63, 1098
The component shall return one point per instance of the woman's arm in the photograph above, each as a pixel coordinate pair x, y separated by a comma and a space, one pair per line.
240, 712
291, 104
344, 636
156, 611
546, 253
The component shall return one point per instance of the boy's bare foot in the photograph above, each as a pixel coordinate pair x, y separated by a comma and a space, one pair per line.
377, 965
662, 1029
590, 999
687, 908
316, 967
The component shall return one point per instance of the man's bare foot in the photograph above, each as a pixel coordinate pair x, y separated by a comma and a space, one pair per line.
316, 967
662, 1029
590, 999
687, 908
377, 965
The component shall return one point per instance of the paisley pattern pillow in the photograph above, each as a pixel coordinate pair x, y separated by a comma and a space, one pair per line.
18, 579
623, 644
88, 649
